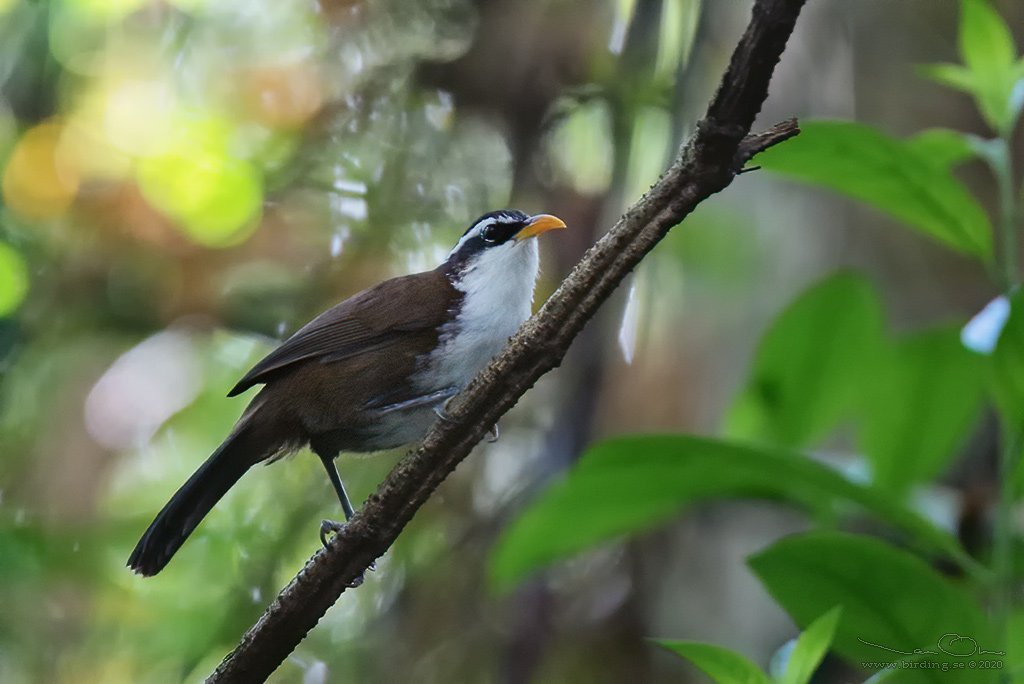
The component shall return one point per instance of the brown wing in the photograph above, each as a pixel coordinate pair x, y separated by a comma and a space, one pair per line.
364, 322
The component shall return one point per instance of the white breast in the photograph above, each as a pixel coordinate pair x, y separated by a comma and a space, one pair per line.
498, 292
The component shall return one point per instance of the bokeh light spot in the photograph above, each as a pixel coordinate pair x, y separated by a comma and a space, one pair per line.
139, 117
142, 389
39, 182
82, 33
284, 96
230, 206
581, 147
107, 9
13, 280
215, 199
92, 154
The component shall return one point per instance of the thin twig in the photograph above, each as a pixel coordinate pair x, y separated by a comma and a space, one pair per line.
707, 163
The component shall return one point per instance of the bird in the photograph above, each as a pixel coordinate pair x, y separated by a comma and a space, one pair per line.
369, 374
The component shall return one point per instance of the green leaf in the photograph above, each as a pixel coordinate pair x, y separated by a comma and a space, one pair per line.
893, 602
999, 101
925, 396
1006, 381
629, 484
955, 76
943, 146
811, 647
1007, 364
986, 44
809, 370
1014, 660
992, 74
891, 175
721, 664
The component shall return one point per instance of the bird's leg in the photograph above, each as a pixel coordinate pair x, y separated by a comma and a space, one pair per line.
492, 434
333, 526
328, 526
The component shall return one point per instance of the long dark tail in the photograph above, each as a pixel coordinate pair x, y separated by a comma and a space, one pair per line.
190, 504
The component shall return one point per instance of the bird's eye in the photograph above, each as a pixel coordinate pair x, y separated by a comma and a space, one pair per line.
490, 233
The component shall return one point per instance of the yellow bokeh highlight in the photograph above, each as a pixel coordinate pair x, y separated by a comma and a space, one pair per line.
92, 154
118, 120
40, 182
13, 280
213, 195
138, 116
106, 9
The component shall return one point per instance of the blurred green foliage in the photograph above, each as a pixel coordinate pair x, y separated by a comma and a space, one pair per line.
181, 179
721, 664
727, 667
824, 368
813, 366
910, 180
631, 483
991, 71
889, 594
167, 169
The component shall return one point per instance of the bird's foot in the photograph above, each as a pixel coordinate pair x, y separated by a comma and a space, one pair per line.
358, 581
492, 435
329, 527
442, 413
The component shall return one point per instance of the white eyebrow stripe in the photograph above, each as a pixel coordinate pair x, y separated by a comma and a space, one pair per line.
473, 232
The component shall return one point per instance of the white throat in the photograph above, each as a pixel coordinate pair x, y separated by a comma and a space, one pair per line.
497, 296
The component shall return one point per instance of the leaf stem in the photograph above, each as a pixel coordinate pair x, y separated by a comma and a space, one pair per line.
1002, 167
1011, 434
1002, 551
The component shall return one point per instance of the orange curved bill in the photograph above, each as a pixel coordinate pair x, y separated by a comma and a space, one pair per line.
538, 224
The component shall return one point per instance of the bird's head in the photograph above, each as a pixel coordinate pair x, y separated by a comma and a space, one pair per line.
500, 241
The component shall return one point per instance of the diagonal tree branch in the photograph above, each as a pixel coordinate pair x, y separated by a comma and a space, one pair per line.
706, 164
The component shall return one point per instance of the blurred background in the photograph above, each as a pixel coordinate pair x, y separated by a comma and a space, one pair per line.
186, 182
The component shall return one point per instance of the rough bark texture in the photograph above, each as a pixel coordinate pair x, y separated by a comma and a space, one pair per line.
706, 164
